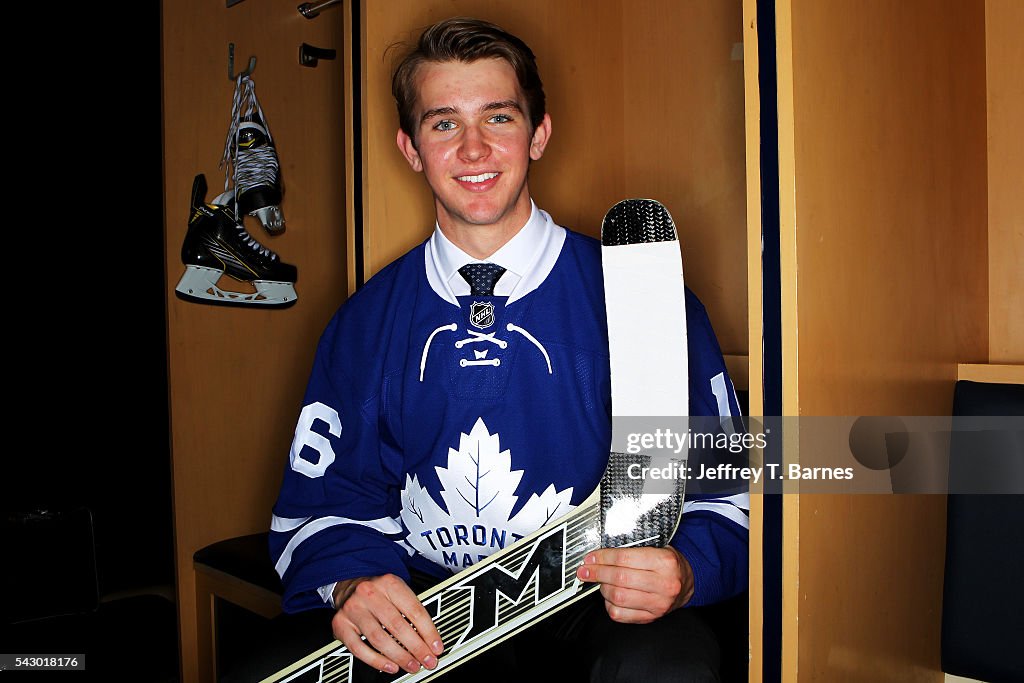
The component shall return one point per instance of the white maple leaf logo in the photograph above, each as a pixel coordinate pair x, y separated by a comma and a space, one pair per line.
478, 490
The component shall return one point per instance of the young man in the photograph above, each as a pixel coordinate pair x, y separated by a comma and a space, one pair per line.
466, 386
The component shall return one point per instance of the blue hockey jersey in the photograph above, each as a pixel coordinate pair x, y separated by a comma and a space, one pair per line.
438, 427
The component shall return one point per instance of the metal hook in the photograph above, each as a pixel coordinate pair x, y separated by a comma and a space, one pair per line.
232, 76
310, 56
310, 10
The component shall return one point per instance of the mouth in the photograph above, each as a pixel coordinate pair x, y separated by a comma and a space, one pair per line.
476, 179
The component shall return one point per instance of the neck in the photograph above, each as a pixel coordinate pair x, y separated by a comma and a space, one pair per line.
480, 241
479, 244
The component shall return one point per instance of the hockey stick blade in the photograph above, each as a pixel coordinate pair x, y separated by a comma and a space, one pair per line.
535, 577
646, 303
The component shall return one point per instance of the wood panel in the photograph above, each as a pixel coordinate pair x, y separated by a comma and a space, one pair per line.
755, 320
891, 212
237, 375
684, 142
785, 65
620, 128
1005, 64
882, 156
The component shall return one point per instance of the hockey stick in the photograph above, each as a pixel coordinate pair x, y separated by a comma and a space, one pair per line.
535, 577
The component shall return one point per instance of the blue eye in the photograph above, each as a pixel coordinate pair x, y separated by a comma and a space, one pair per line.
501, 118
445, 125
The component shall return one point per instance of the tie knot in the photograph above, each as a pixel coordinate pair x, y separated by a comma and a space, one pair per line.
481, 277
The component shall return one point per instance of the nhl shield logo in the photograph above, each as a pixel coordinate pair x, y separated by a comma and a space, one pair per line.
481, 314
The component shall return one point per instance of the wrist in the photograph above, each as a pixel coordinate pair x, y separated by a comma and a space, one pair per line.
343, 590
686, 584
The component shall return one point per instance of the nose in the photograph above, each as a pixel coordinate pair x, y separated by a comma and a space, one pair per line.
474, 145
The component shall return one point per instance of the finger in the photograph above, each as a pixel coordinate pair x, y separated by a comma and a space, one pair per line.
349, 635
378, 636
414, 611
400, 630
627, 577
374, 611
651, 559
626, 598
624, 615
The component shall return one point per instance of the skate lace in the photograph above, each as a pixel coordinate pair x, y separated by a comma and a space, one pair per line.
254, 244
247, 167
255, 167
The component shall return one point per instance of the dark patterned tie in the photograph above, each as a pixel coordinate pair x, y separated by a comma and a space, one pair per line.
481, 277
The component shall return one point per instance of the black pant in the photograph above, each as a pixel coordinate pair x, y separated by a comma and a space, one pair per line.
578, 644
581, 643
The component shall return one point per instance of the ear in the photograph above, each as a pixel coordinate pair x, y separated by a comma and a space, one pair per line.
408, 149
540, 138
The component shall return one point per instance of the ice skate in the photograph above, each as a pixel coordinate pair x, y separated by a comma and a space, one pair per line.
218, 244
251, 160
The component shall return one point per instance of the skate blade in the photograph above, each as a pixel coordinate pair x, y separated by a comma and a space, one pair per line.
199, 284
271, 218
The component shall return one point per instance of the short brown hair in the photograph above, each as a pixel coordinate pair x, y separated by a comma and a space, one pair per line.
464, 39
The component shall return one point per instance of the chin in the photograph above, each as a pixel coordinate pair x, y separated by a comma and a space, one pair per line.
482, 216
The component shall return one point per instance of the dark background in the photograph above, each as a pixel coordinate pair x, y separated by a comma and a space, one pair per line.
92, 397
87, 416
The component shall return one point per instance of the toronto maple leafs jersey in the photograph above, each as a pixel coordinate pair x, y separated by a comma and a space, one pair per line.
439, 427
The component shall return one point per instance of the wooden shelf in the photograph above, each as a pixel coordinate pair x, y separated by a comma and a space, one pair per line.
984, 372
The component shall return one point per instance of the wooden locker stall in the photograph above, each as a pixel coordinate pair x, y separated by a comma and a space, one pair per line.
901, 253
237, 375
647, 99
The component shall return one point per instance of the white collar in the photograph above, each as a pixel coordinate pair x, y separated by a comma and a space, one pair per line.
527, 258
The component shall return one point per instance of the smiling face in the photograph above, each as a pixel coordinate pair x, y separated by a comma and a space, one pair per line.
474, 145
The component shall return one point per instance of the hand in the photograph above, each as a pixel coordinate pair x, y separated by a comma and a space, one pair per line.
639, 585
368, 606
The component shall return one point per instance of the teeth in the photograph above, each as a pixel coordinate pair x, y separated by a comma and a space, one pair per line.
477, 178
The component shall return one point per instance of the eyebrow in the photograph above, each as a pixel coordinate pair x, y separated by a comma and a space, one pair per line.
490, 106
